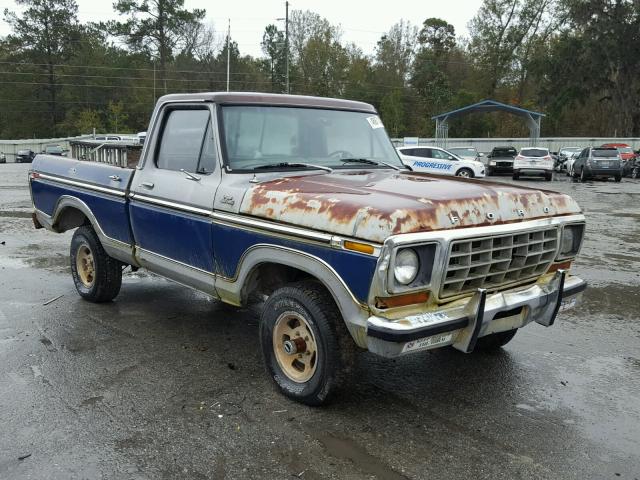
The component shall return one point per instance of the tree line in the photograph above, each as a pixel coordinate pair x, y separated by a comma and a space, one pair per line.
578, 61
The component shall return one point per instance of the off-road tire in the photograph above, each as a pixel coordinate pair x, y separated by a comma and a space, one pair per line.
468, 171
107, 271
336, 349
494, 341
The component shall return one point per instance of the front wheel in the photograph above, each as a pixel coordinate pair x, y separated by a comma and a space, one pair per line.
464, 173
97, 276
304, 341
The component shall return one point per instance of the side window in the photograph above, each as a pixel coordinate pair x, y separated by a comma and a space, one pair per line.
182, 140
422, 152
440, 155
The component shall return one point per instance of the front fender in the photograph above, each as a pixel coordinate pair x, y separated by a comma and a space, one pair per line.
355, 314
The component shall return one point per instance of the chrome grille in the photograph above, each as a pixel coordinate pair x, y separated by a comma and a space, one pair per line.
490, 262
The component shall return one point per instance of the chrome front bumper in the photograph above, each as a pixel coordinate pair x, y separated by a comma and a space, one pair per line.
462, 325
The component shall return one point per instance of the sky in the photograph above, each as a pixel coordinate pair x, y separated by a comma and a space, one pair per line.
363, 22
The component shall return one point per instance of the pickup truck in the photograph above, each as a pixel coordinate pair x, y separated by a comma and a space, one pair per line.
500, 160
304, 204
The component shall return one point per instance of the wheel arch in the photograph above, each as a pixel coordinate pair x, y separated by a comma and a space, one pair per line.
267, 267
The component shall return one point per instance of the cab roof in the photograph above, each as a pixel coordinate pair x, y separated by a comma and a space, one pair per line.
272, 99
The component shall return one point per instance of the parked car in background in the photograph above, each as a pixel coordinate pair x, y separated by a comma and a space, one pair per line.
25, 156
533, 161
3, 158
54, 150
439, 161
568, 164
598, 162
563, 155
468, 153
500, 160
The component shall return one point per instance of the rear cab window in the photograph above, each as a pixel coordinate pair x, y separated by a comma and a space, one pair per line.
534, 152
604, 152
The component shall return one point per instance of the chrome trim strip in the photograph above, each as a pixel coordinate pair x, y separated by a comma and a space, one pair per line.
284, 229
169, 204
75, 183
469, 232
182, 264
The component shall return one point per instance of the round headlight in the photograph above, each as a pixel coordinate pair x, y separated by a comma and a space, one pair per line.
568, 236
406, 266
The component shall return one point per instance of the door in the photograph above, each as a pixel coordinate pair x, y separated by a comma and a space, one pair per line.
172, 196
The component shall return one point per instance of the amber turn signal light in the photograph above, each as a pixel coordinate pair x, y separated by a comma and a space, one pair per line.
402, 300
560, 266
358, 247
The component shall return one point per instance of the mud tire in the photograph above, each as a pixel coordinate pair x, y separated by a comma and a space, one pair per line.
336, 349
107, 276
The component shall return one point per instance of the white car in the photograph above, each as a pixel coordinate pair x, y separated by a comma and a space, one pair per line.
534, 161
440, 161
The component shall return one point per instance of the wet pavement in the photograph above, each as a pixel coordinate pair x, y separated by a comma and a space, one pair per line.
166, 383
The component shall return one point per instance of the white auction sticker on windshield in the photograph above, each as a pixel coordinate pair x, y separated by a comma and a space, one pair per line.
375, 122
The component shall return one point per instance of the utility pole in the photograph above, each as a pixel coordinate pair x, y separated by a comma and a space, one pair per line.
286, 44
154, 82
228, 52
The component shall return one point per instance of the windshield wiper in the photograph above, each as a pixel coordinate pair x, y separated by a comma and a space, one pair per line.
368, 162
292, 165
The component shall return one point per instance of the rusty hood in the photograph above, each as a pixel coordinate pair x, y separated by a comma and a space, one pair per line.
371, 205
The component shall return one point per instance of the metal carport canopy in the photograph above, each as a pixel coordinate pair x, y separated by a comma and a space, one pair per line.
532, 118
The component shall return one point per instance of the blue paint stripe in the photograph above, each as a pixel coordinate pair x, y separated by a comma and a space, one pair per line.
109, 210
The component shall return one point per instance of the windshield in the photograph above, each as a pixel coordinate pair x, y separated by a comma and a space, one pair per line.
282, 137
534, 152
605, 153
464, 152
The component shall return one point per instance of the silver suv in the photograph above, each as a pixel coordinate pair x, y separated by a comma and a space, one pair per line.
598, 162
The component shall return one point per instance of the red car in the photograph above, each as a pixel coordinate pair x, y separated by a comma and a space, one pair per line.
627, 155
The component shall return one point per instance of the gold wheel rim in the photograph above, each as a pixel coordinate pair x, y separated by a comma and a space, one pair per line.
295, 347
85, 266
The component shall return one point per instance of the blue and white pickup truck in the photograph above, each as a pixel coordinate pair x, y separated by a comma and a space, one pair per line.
303, 202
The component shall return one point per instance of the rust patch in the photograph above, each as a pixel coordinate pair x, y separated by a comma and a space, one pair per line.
373, 205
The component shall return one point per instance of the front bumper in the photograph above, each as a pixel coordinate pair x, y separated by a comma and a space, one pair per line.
483, 314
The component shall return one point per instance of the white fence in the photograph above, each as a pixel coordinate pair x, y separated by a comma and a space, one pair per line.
554, 144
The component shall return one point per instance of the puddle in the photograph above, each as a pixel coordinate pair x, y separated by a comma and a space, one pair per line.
58, 262
349, 450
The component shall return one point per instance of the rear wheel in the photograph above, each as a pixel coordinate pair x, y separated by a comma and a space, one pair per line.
494, 341
305, 344
583, 176
465, 173
96, 275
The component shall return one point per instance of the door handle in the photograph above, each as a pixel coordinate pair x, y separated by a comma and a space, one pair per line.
115, 178
147, 185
